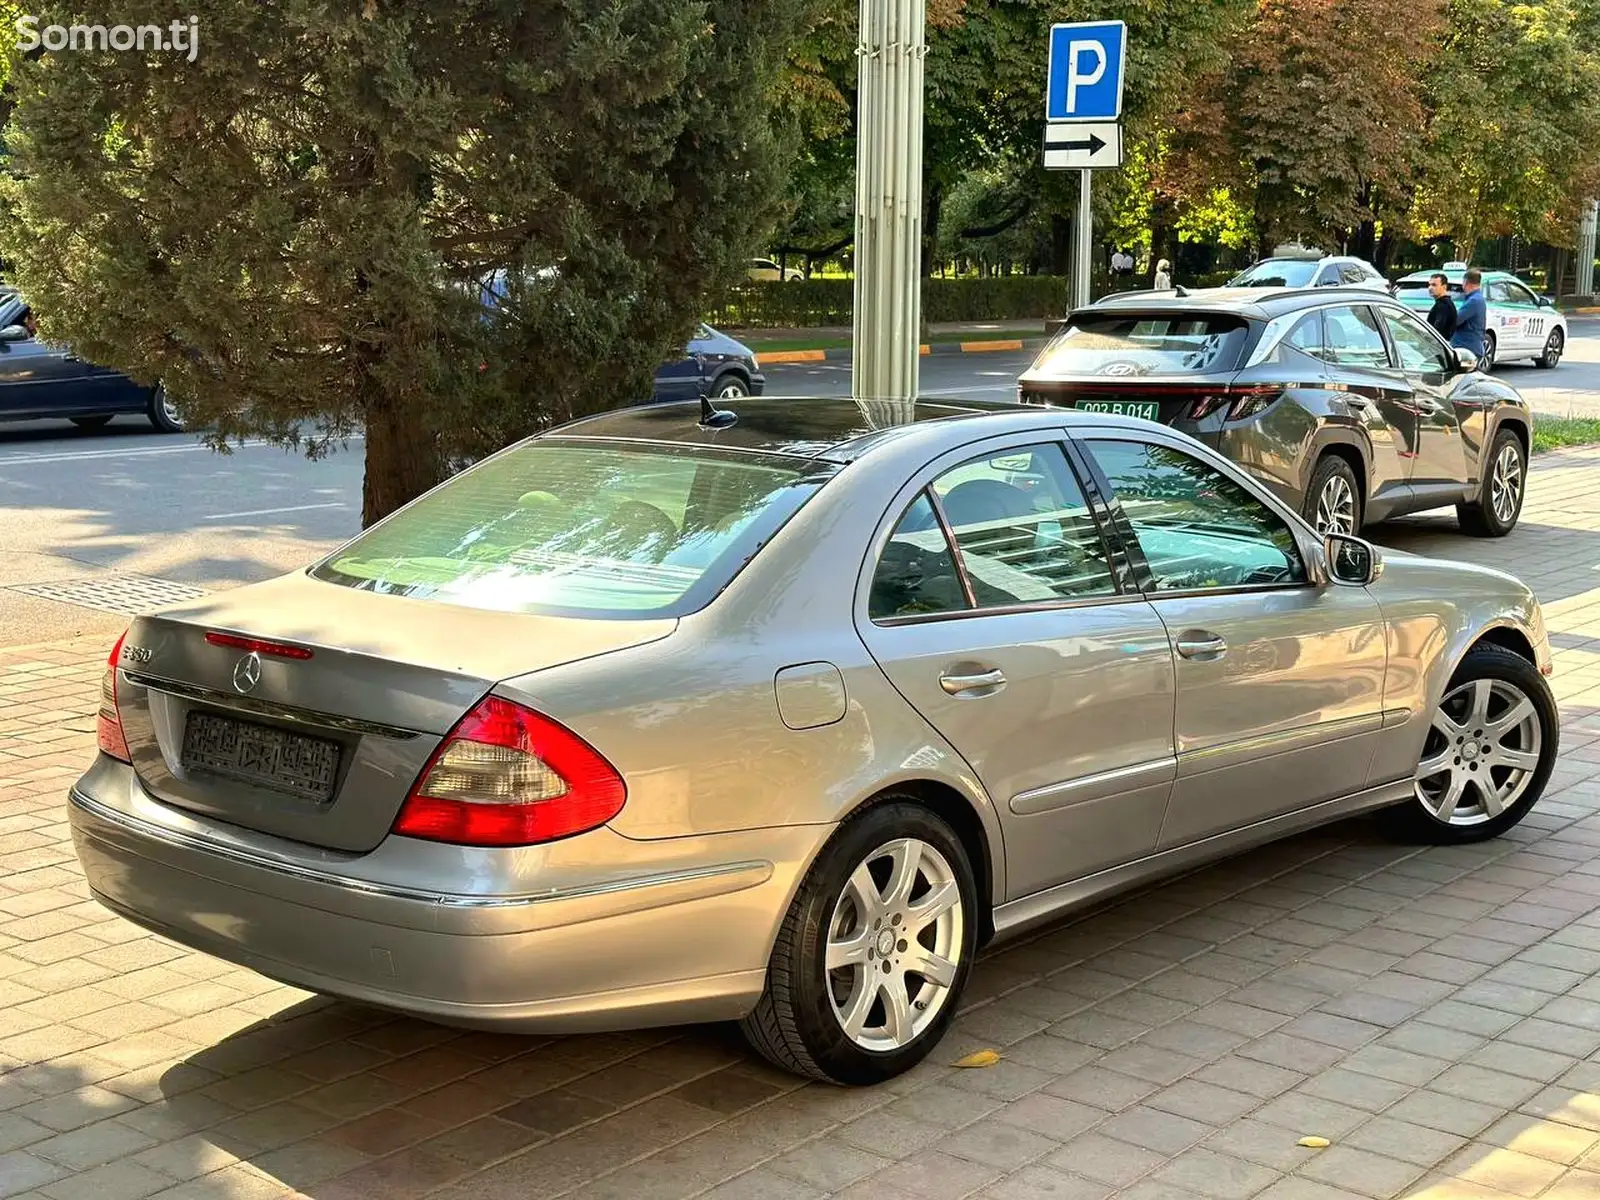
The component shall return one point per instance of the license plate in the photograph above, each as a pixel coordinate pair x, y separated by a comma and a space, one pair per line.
305, 767
1148, 409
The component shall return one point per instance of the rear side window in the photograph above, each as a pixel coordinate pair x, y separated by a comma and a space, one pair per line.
1144, 344
1023, 530
1352, 337
581, 529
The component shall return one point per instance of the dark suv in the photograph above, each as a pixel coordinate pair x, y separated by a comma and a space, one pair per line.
1342, 401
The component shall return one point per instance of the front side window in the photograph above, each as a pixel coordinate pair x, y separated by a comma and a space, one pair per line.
1353, 337
570, 528
1196, 527
1109, 344
1418, 349
1517, 294
1352, 274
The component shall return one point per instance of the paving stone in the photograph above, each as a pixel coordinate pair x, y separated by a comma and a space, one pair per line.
1405, 1140
1507, 1170
1106, 1160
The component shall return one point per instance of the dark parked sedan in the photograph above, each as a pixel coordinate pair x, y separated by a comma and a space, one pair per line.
41, 380
1344, 402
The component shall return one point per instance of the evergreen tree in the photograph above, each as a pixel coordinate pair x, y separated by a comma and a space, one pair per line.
290, 230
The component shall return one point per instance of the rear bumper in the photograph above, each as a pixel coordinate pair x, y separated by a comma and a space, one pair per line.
675, 942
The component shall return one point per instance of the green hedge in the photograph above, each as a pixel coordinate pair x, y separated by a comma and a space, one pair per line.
806, 304
813, 302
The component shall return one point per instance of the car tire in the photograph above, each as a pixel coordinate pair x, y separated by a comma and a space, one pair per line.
1486, 359
1508, 684
1554, 345
730, 386
90, 422
1502, 491
838, 1024
163, 413
1335, 485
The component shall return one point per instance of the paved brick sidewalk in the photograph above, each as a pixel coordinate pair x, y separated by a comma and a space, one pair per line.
1435, 1013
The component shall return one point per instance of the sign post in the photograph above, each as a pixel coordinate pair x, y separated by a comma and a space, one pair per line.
1083, 119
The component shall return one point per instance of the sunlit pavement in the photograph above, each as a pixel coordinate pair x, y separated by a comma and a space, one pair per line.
1435, 1014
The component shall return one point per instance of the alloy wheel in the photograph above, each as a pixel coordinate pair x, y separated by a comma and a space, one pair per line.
168, 409
1553, 347
731, 389
1480, 754
1336, 506
1505, 487
894, 945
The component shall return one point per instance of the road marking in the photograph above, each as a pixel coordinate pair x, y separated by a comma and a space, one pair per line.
267, 512
136, 452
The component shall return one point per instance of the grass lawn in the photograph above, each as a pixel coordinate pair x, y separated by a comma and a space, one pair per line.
1554, 433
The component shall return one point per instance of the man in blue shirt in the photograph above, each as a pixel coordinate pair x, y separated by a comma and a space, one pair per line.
1473, 316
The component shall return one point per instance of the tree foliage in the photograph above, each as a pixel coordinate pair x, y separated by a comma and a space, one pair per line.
288, 230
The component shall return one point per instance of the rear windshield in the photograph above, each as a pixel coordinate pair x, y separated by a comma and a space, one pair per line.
1113, 344
1276, 272
573, 528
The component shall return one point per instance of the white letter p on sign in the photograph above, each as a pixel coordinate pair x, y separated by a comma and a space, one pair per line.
1076, 77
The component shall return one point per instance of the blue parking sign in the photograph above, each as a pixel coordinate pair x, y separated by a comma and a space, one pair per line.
1084, 82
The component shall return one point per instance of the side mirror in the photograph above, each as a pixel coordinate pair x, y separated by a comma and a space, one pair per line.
1351, 560
1466, 360
15, 333
1547, 302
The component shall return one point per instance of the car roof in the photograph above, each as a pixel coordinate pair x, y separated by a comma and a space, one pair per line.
1261, 304
1455, 273
826, 428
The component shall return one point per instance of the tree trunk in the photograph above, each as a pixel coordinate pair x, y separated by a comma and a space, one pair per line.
402, 458
932, 206
1387, 245
1060, 245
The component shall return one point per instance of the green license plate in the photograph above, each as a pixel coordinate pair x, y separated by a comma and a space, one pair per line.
1148, 409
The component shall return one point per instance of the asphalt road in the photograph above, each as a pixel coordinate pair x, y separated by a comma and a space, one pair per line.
113, 518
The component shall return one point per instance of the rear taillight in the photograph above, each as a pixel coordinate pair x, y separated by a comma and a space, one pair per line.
236, 641
1239, 404
108, 722
1253, 402
507, 776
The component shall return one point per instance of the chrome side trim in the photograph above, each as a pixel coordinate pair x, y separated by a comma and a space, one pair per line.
1099, 786
759, 870
1212, 758
265, 708
1020, 915
1395, 716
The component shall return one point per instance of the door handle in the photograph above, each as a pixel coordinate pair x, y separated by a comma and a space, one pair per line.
1202, 645
956, 684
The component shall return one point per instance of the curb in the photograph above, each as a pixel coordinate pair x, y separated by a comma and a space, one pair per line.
814, 356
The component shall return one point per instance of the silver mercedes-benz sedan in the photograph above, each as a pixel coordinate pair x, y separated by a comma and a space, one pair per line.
779, 713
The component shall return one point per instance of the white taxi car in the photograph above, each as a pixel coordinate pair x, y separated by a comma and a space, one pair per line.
1520, 323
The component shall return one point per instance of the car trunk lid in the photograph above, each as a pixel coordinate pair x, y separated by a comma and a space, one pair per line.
311, 709
1166, 401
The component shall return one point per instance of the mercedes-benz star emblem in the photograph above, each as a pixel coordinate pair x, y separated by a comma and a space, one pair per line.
247, 673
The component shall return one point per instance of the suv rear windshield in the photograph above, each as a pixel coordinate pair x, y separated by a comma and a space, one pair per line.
1277, 272
565, 527
1118, 344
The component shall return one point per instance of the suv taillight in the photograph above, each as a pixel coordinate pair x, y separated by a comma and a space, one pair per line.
108, 721
507, 776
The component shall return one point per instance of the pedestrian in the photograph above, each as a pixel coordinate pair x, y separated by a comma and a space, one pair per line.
1472, 316
1163, 275
1442, 316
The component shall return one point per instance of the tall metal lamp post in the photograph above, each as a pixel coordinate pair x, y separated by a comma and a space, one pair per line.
888, 245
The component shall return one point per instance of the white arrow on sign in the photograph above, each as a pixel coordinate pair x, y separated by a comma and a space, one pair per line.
1082, 146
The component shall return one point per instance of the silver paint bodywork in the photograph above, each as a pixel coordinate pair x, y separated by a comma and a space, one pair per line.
746, 732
